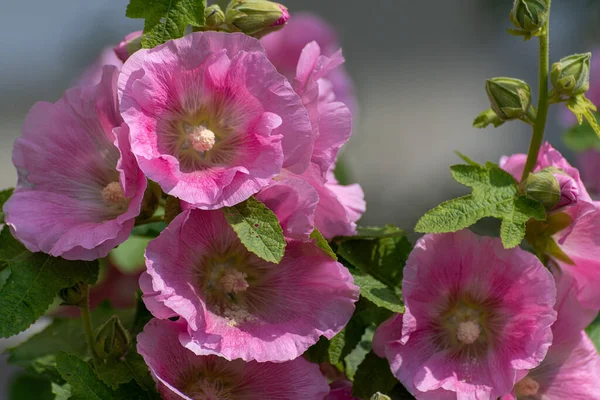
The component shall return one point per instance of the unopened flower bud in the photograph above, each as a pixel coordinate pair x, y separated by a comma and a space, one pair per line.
571, 75
75, 295
529, 17
509, 98
380, 396
255, 17
544, 188
214, 17
112, 339
569, 191
129, 45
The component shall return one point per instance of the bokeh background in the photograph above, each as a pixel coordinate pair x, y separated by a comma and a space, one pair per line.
419, 68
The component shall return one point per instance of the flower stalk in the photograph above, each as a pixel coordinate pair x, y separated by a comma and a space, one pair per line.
543, 100
86, 319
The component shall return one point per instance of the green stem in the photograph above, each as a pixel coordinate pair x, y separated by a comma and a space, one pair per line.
86, 318
543, 101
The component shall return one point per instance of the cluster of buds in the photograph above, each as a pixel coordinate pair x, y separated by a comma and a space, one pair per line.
255, 18
529, 17
509, 99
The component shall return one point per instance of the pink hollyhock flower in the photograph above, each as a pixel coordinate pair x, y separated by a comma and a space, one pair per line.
285, 47
340, 390
570, 234
477, 316
129, 45
79, 187
180, 374
237, 305
211, 119
572, 366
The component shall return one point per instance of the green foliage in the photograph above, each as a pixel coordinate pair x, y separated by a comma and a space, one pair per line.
380, 252
373, 375
64, 334
318, 352
593, 331
34, 282
495, 194
322, 243
129, 255
61, 392
26, 386
84, 383
166, 19
151, 230
258, 229
378, 293
118, 372
582, 137
4, 195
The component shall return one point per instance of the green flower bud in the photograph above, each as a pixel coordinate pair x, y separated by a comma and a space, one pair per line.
529, 16
112, 339
214, 17
571, 75
543, 187
255, 17
74, 295
510, 98
380, 396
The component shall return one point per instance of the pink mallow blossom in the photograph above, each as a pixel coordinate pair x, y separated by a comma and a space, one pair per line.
237, 305
572, 366
79, 187
574, 243
284, 48
180, 374
211, 119
478, 316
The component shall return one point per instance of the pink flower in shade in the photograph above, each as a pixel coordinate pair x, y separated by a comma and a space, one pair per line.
237, 305
572, 366
341, 390
130, 44
211, 119
285, 46
180, 374
578, 242
79, 187
477, 316
589, 165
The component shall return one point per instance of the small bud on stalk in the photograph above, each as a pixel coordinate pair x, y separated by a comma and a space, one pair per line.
112, 339
75, 295
571, 75
510, 98
214, 16
129, 45
380, 396
529, 17
544, 188
255, 17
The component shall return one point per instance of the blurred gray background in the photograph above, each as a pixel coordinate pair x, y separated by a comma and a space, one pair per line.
419, 68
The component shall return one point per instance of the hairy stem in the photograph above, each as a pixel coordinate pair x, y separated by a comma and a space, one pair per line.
87, 326
543, 101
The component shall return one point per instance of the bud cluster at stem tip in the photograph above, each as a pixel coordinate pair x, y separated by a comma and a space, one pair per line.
529, 17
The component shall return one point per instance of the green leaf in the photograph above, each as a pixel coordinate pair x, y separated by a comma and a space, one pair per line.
166, 19
322, 243
374, 232
34, 281
133, 367
64, 334
373, 375
85, 385
378, 293
258, 229
318, 352
61, 392
25, 386
383, 256
4, 195
347, 340
466, 159
582, 137
128, 257
495, 194
353, 360
149, 230
593, 331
